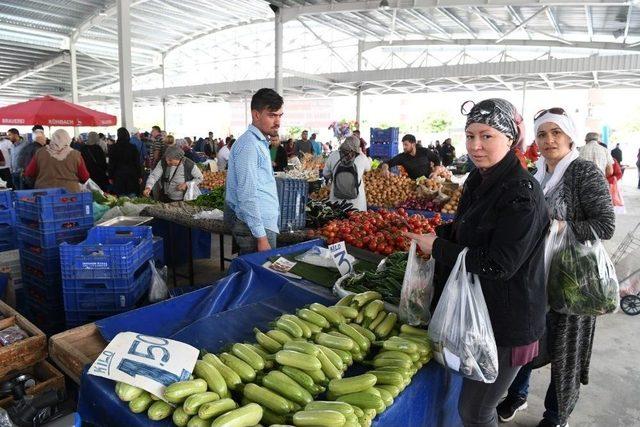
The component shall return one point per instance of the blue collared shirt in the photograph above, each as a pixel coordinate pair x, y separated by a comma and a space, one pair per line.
251, 188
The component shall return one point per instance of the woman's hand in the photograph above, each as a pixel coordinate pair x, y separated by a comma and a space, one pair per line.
425, 241
182, 187
146, 192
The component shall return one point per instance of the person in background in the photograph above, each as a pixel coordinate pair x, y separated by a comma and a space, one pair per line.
35, 129
596, 153
168, 140
157, 146
447, 153
502, 220
173, 174
102, 142
316, 145
18, 145
345, 167
5, 163
95, 160
290, 148
224, 153
415, 160
615, 187
278, 154
576, 196
27, 153
616, 153
303, 145
76, 143
137, 142
58, 165
125, 172
252, 207
363, 143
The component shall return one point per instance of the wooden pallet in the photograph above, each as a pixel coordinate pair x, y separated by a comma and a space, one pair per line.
47, 378
28, 352
73, 349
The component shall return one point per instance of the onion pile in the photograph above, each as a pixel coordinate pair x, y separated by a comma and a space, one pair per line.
388, 191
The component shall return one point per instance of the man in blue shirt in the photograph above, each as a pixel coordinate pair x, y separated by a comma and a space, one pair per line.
316, 145
252, 206
142, 149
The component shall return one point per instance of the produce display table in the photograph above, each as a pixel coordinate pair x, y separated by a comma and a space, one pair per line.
427, 214
210, 318
181, 213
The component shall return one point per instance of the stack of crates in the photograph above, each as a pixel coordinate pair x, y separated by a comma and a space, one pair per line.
292, 195
45, 219
384, 143
8, 240
106, 274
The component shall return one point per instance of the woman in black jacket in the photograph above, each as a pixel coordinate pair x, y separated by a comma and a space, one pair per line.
502, 220
577, 196
95, 160
124, 168
279, 158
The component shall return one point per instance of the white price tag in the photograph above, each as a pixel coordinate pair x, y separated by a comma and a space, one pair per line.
147, 362
339, 254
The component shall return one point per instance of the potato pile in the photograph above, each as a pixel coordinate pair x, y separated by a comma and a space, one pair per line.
428, 188
388, 191
451, 206
213, 180
322, 194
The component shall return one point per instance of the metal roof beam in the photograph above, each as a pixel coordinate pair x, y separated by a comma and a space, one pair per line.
553, 20
587, 14
547, 81
427, 20
486, 20
628, 24
63, 57
522, 24
458, 22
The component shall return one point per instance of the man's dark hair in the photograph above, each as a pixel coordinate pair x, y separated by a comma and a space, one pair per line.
305, 131
37, 127
101, 135
409, 138
313, 135
156, 127
14, 131
357, 131
266, 98
230, 142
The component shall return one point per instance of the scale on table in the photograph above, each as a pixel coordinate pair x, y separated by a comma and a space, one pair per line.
126, 221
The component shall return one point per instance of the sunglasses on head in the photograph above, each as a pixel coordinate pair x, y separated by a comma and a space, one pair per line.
485, 107
555, 110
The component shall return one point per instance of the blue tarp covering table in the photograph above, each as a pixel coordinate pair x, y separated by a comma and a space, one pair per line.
215, 316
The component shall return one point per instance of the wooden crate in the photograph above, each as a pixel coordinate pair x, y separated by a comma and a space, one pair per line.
47, 378
21, 354
73, 349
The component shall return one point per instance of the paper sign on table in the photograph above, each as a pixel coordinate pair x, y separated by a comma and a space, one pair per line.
144, 361
282, 265
339, 253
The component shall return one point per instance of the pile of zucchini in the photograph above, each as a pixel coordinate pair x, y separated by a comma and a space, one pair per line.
276, 380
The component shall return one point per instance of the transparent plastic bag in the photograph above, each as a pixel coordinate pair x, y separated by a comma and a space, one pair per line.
461, 328
90, 185
11, 335
417, 289
158, 290
321, 257
582, 279
192, 192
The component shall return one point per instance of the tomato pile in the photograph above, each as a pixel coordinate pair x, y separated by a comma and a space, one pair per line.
379, 231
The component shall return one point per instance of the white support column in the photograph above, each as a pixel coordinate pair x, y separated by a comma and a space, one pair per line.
164, 98
246, 112
74, 79
359, 92
278, 57
524, 97
124, 62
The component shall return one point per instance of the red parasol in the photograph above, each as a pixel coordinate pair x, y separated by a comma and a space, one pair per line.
52, 111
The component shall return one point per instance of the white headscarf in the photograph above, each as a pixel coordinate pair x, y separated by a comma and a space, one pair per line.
565, 123
59, 146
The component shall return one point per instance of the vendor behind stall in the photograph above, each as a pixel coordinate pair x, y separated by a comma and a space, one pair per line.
417, 161
173, 175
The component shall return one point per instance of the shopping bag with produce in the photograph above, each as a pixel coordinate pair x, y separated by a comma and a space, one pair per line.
192, 192
582, 279
417, 289
461, 328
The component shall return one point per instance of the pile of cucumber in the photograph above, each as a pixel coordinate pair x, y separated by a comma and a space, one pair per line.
276, 380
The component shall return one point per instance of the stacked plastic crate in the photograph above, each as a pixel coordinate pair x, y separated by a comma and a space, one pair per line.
45, 219
292, 196
7, 221
106, 274
384, 143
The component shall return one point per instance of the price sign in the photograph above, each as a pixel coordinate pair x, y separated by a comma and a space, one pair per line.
144, 361
339, 253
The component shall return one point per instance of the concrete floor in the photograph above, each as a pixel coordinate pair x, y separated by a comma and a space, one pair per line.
612, 397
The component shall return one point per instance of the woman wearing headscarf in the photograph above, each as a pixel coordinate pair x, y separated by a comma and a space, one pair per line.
173, 175
577, 196
95, 160
58, 165
125, 171
502, 220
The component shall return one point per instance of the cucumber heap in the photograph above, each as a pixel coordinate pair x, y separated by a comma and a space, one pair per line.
276, 380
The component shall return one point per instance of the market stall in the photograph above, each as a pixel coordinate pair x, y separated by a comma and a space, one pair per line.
213, 317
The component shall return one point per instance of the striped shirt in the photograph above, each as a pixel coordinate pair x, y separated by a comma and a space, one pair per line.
251, 188
597, 154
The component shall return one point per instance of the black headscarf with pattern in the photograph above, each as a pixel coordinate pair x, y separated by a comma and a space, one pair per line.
501, 115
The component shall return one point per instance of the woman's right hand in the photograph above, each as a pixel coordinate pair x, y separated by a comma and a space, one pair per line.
146, 192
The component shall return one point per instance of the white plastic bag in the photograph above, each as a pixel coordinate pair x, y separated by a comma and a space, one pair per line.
90, 185
417, 289
158, 290
461, 328
582, 279
192, 191
321, 257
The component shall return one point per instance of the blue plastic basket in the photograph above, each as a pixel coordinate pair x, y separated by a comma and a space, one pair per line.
387, 135
50, 239
292, 195
40, 266
57, 225
6, 199
79, 318
105, 284
383, 151
53, 204
107, 253
44, 293
8, 217
38, 250
100, 299
49, 319
8, 238
158, 250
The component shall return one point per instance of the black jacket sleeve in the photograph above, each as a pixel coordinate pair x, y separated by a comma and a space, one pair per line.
113, 159
395, 161
517, 230
594, 202
433, 157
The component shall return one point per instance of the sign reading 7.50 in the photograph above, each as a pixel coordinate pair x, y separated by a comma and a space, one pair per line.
144, 361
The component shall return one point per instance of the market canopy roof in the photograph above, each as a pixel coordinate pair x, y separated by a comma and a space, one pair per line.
52, 111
